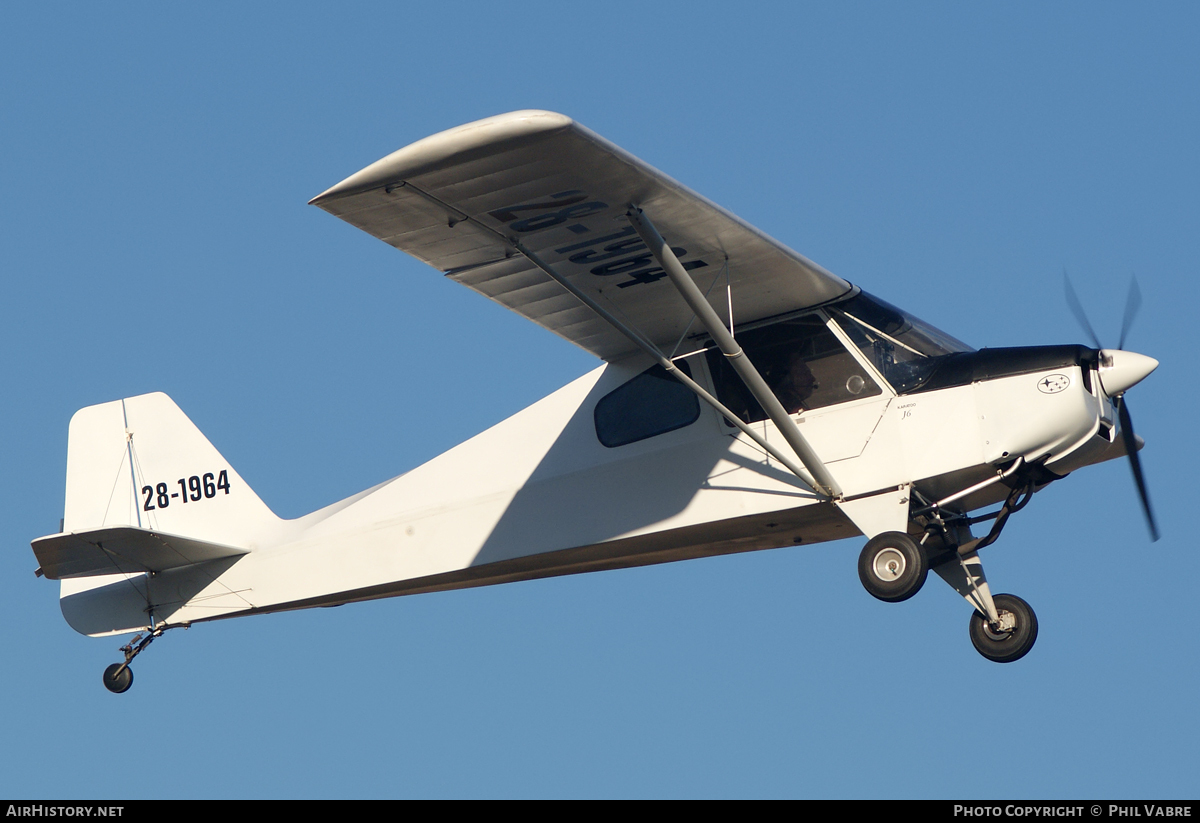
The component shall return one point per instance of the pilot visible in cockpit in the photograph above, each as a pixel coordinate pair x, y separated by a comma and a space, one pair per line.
793, 382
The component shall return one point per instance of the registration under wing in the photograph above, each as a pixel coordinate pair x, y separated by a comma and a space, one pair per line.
750, 399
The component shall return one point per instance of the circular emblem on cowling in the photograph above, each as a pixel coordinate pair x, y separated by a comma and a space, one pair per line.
1053, 383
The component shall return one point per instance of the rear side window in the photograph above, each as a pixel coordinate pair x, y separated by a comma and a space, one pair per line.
650, 404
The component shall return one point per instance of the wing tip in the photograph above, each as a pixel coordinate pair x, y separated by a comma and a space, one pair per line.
446, 146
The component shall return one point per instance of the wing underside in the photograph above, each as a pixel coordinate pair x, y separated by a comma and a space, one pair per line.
462, 199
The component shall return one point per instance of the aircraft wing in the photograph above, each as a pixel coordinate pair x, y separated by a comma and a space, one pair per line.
455, 200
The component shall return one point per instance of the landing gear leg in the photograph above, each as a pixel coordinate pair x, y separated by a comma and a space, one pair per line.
964, 574
119, 677
1003, 627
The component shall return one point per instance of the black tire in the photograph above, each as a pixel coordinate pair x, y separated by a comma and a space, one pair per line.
892, 567
118, 684
1005, 646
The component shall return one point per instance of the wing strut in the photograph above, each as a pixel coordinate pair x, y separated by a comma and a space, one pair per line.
652, 350
733, 353
821, 489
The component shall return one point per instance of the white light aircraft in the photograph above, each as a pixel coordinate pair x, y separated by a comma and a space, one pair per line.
749, 399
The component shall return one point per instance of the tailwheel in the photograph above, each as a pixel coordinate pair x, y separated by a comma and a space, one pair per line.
892, 567
1012, 637
118, 678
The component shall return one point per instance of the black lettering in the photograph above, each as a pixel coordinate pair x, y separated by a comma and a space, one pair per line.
653, 274
557, 201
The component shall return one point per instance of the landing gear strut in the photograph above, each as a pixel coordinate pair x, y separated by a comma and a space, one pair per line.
119, 677
893, 566
1003, 627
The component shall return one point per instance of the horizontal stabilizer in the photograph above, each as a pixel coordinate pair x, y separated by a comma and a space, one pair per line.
122, 549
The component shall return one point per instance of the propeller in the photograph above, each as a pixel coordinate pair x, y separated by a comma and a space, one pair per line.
1077, 309
1127, 368
1135, 462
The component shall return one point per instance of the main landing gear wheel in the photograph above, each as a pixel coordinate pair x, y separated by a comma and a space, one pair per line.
118, 683
892, 567
1015, 635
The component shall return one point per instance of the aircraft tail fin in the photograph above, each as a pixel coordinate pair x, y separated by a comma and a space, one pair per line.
141, 463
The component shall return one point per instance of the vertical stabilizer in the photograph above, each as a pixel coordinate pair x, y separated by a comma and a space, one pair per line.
141, 462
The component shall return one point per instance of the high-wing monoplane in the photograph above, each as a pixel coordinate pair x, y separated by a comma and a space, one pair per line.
749, 399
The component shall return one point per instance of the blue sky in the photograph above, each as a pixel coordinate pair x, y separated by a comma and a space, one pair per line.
951, 158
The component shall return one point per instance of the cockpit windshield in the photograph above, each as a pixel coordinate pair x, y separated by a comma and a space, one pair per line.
904, 349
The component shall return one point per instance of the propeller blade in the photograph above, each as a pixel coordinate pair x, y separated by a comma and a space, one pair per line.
1136, 463
1077, 309
1132, 303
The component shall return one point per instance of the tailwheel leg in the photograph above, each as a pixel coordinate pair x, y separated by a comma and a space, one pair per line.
119, 677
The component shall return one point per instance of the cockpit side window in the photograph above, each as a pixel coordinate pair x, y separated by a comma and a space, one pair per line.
650, 404
802, 361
